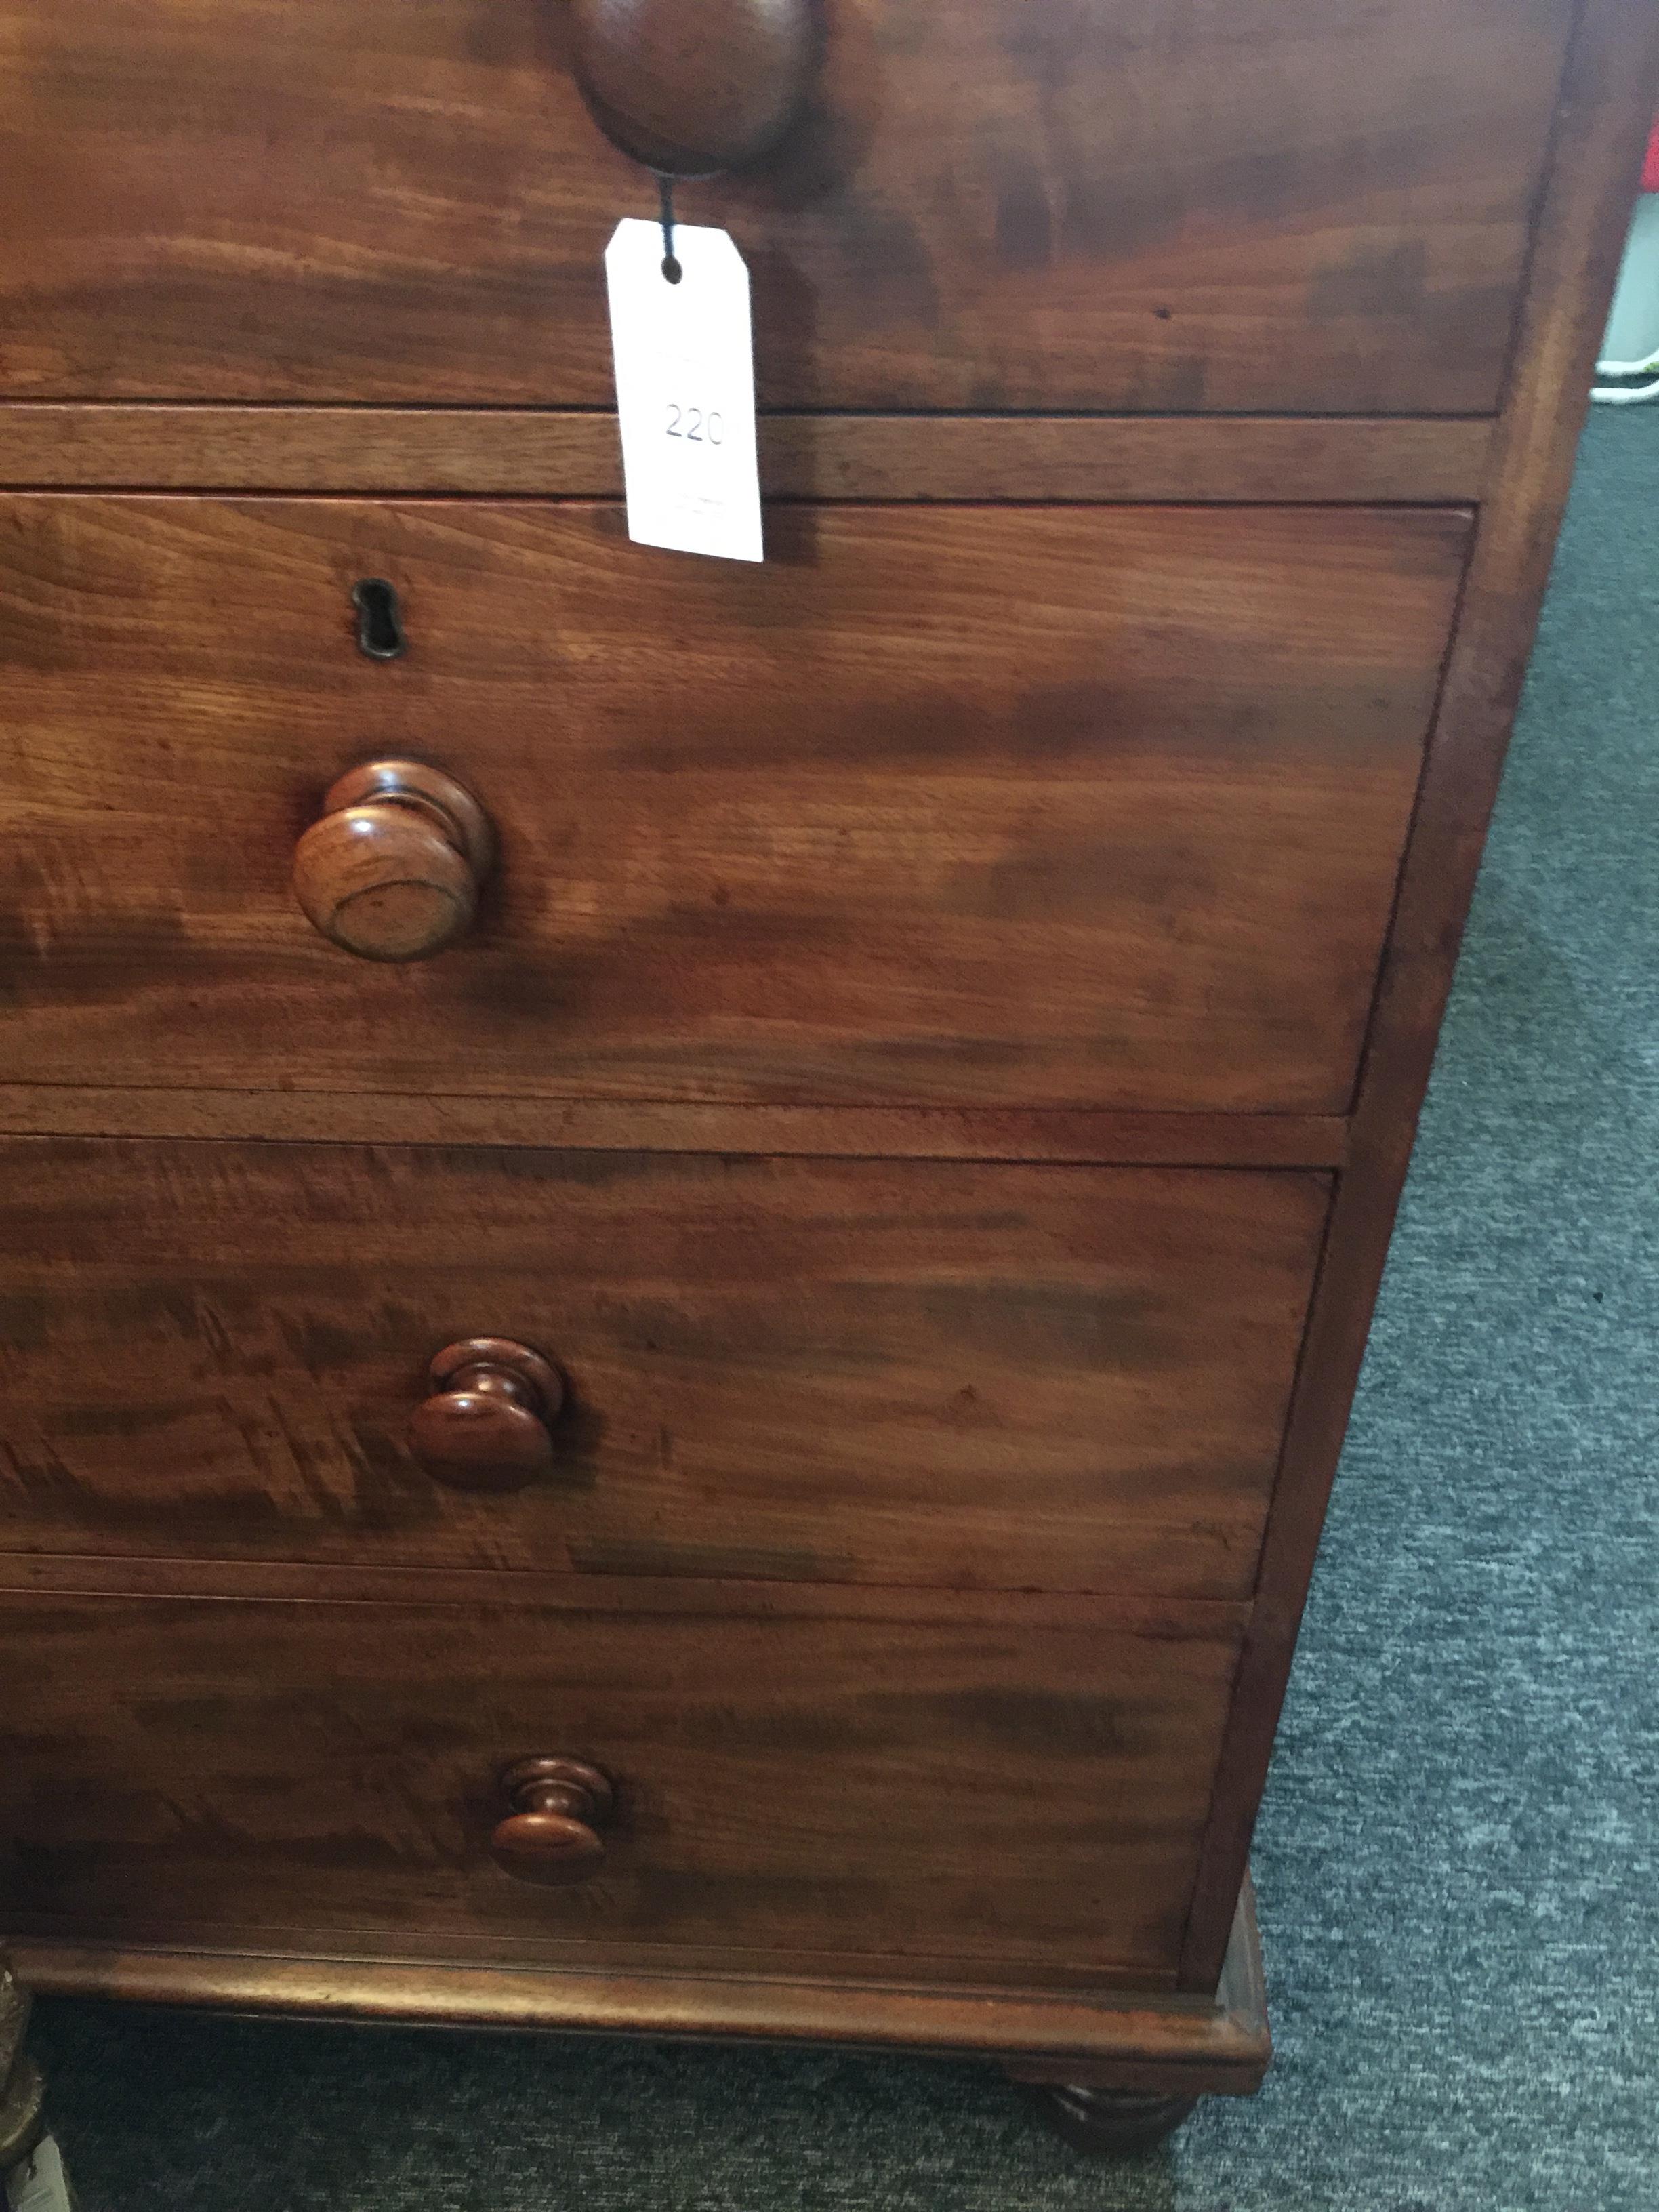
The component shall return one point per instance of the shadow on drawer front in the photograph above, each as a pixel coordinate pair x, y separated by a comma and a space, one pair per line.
985, 1375
973, 806
1275, 204
1025, 1796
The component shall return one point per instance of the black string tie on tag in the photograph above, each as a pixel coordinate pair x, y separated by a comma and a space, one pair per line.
671, 267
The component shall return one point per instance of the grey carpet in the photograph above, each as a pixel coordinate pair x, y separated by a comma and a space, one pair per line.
1456, 1862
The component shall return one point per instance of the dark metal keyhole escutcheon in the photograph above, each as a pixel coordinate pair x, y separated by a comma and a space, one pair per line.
379, 619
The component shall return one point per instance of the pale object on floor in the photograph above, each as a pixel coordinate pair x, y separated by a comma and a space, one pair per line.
1631, 346
40, 2183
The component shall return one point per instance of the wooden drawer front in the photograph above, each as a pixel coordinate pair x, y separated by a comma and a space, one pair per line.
961, 806
1307, 205
828, 1371
899, 1789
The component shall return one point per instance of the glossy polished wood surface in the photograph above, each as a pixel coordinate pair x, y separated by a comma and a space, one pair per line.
887, 1132
802, 1370
934, 1065
876, 1791
1215, 459
1134, 2038
1612, 95
864, 824
1297, 205
692, 87
488, 1424
392, 868
557, 1808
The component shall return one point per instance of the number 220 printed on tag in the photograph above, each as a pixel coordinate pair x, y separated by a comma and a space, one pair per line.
685, 390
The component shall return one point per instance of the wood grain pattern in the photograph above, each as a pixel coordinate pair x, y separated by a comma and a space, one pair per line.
1019, 1796
1249, 1141
979, 806
1289, 205
600, 1948
1238, 2014
837, 1371
552, 1590
958, 834
1133, 2040
1611, 97
157, 447
553, 1831
692, 90
487, 1423
391, 867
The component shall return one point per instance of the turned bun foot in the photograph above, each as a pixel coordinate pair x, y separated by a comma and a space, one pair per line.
1106, 2122
21, 2093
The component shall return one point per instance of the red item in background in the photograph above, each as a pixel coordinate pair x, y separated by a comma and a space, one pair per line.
1650, 167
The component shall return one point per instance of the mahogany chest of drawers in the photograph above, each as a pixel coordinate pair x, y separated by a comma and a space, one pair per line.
683, 1245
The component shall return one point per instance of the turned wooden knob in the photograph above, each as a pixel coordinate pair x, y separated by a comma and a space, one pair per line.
486, 1424
548, 1836
392, 868
693, 87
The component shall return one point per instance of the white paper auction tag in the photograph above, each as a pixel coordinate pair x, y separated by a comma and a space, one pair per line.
40, 2183
685, 390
